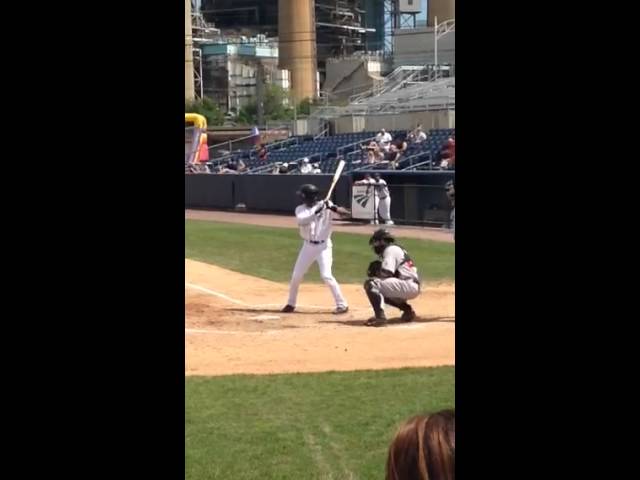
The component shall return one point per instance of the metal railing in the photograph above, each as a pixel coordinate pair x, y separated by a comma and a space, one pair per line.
403, 165
230, 143
427, 96
260, 169
392, 80
323, 133
340, 151
279, 145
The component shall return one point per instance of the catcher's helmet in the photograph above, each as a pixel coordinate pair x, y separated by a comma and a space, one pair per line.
308, 192
382, 234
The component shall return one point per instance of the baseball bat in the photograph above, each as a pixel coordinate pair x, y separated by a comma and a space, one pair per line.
336, 176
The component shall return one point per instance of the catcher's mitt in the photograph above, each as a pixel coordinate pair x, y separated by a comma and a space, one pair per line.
374, 269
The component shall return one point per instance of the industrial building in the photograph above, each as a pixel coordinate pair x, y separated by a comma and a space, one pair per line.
327, 49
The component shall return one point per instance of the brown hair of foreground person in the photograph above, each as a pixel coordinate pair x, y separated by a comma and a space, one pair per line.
424, 448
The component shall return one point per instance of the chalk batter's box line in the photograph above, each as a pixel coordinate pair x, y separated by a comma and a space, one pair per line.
229, 332
245, 304
240, 302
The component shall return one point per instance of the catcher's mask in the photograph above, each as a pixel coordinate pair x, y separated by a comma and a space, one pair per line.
380, 239
308, 193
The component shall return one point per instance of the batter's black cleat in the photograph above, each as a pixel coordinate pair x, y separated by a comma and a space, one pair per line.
341, 310
377, 321
408, 316
288, 309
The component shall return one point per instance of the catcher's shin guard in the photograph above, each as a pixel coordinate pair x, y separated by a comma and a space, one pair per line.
374, 297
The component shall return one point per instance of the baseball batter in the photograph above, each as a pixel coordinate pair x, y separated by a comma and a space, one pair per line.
392, 280
314, 218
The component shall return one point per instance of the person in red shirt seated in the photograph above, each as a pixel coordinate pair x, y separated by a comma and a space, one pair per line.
449, 154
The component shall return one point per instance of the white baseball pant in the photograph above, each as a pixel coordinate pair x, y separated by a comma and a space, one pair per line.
395, 288
323, 254
384, 208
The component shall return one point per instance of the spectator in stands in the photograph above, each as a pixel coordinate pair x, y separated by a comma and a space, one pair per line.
262, 152
448, 154
316, 168
424, 448
374, 154
241, 166
417, 135
383, 139
231, 167
397, 150
284, 169
305, 166
411, 136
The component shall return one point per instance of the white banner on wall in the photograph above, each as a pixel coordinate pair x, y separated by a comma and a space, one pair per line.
362, 205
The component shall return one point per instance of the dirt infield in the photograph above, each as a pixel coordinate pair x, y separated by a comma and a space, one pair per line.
288, 221
233, 325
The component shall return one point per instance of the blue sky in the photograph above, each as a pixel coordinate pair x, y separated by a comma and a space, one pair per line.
423, 14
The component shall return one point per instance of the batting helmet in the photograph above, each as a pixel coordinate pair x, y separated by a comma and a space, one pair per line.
308, 192
382, 234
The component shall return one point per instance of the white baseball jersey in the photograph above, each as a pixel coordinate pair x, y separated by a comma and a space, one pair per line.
314, 227
395, 259
381, 188
384, 139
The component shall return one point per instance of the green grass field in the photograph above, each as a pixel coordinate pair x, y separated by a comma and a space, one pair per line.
334, 425
270, 253
304, 426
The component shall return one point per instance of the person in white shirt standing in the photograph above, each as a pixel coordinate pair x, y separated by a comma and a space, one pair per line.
383, 139
382, 192
314, 218
381, 197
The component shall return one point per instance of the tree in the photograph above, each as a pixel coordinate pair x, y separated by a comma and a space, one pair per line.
274, 107
207, 108
304, 107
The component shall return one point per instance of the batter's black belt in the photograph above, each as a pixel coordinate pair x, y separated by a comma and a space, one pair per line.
316, 242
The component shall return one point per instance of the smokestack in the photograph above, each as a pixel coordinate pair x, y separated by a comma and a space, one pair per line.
189, 85
443, 9
297, 45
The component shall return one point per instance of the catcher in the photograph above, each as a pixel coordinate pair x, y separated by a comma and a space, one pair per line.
393, 279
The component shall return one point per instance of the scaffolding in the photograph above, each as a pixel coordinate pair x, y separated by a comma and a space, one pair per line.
202, 32
395, 19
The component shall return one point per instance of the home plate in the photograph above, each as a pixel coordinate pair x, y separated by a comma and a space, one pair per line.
265, 317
